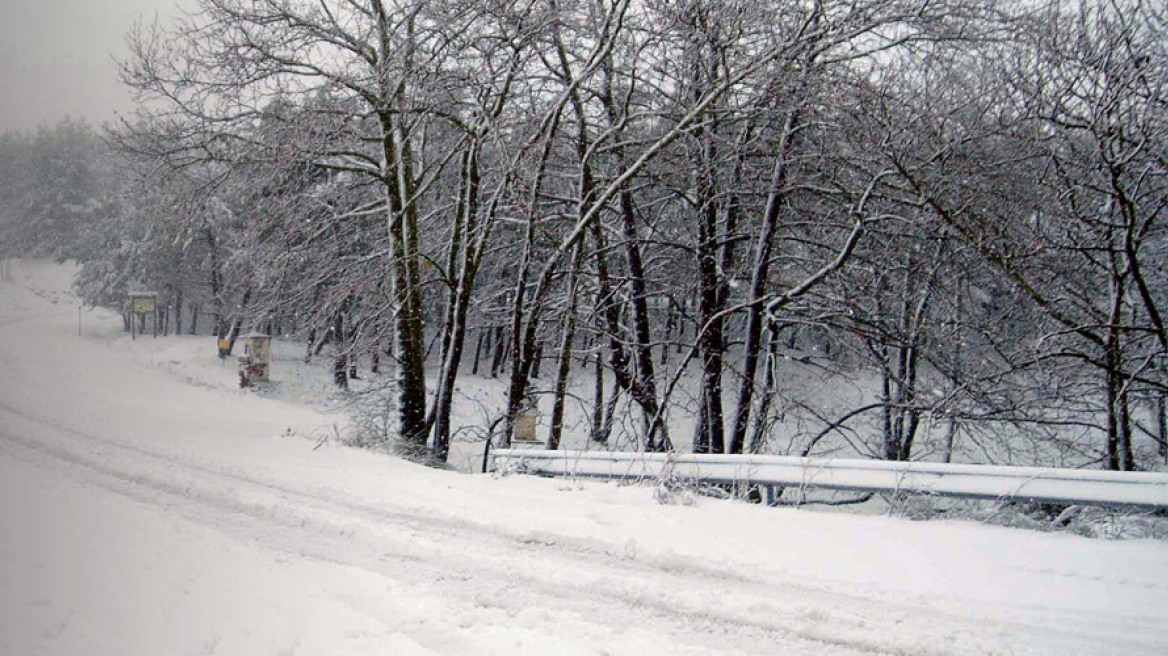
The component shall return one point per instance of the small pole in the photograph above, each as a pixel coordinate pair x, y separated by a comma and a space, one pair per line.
78, 320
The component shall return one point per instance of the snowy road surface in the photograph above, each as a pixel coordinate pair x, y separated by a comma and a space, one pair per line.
141, 514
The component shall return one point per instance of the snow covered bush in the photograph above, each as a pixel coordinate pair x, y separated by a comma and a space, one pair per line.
1092, 522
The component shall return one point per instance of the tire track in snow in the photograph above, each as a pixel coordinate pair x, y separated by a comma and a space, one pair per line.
463, 558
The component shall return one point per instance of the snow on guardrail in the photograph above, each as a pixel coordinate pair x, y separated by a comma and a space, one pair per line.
1071, 486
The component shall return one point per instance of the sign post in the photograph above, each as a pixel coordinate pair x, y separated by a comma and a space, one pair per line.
141, 304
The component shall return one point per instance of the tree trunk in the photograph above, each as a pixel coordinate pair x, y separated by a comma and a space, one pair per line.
642, 334
1118, 444
178, 311
758, 280
565, 364
497, 359
610, 313
709, 429
354, 333
220, 327
950, 439
758, 434
1162, 425
341, 354
402, 227
609, 414
464, 258
670, 322
478, 351
523, 339
886, 402
237, 322
598, 399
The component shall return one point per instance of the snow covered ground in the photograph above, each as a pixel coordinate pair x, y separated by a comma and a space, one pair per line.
144, 511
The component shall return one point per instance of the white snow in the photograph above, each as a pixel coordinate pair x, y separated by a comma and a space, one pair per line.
146, 512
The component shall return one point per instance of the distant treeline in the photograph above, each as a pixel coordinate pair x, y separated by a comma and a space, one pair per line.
55, 183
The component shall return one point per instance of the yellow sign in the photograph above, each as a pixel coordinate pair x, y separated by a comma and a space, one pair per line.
143, 304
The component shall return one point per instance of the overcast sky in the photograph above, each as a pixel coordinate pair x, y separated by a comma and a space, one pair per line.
57, 58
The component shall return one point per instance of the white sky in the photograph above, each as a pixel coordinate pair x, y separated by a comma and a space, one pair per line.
57, 58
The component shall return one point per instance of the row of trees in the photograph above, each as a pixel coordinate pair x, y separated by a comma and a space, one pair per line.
961, 198
54, 184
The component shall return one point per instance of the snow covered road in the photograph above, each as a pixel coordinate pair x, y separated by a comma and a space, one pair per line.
144, 515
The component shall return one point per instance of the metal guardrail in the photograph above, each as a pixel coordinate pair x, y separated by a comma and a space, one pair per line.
1066, 486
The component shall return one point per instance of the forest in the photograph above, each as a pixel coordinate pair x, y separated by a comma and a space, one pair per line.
690, 205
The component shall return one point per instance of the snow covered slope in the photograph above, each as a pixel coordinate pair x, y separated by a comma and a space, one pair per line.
144, 515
